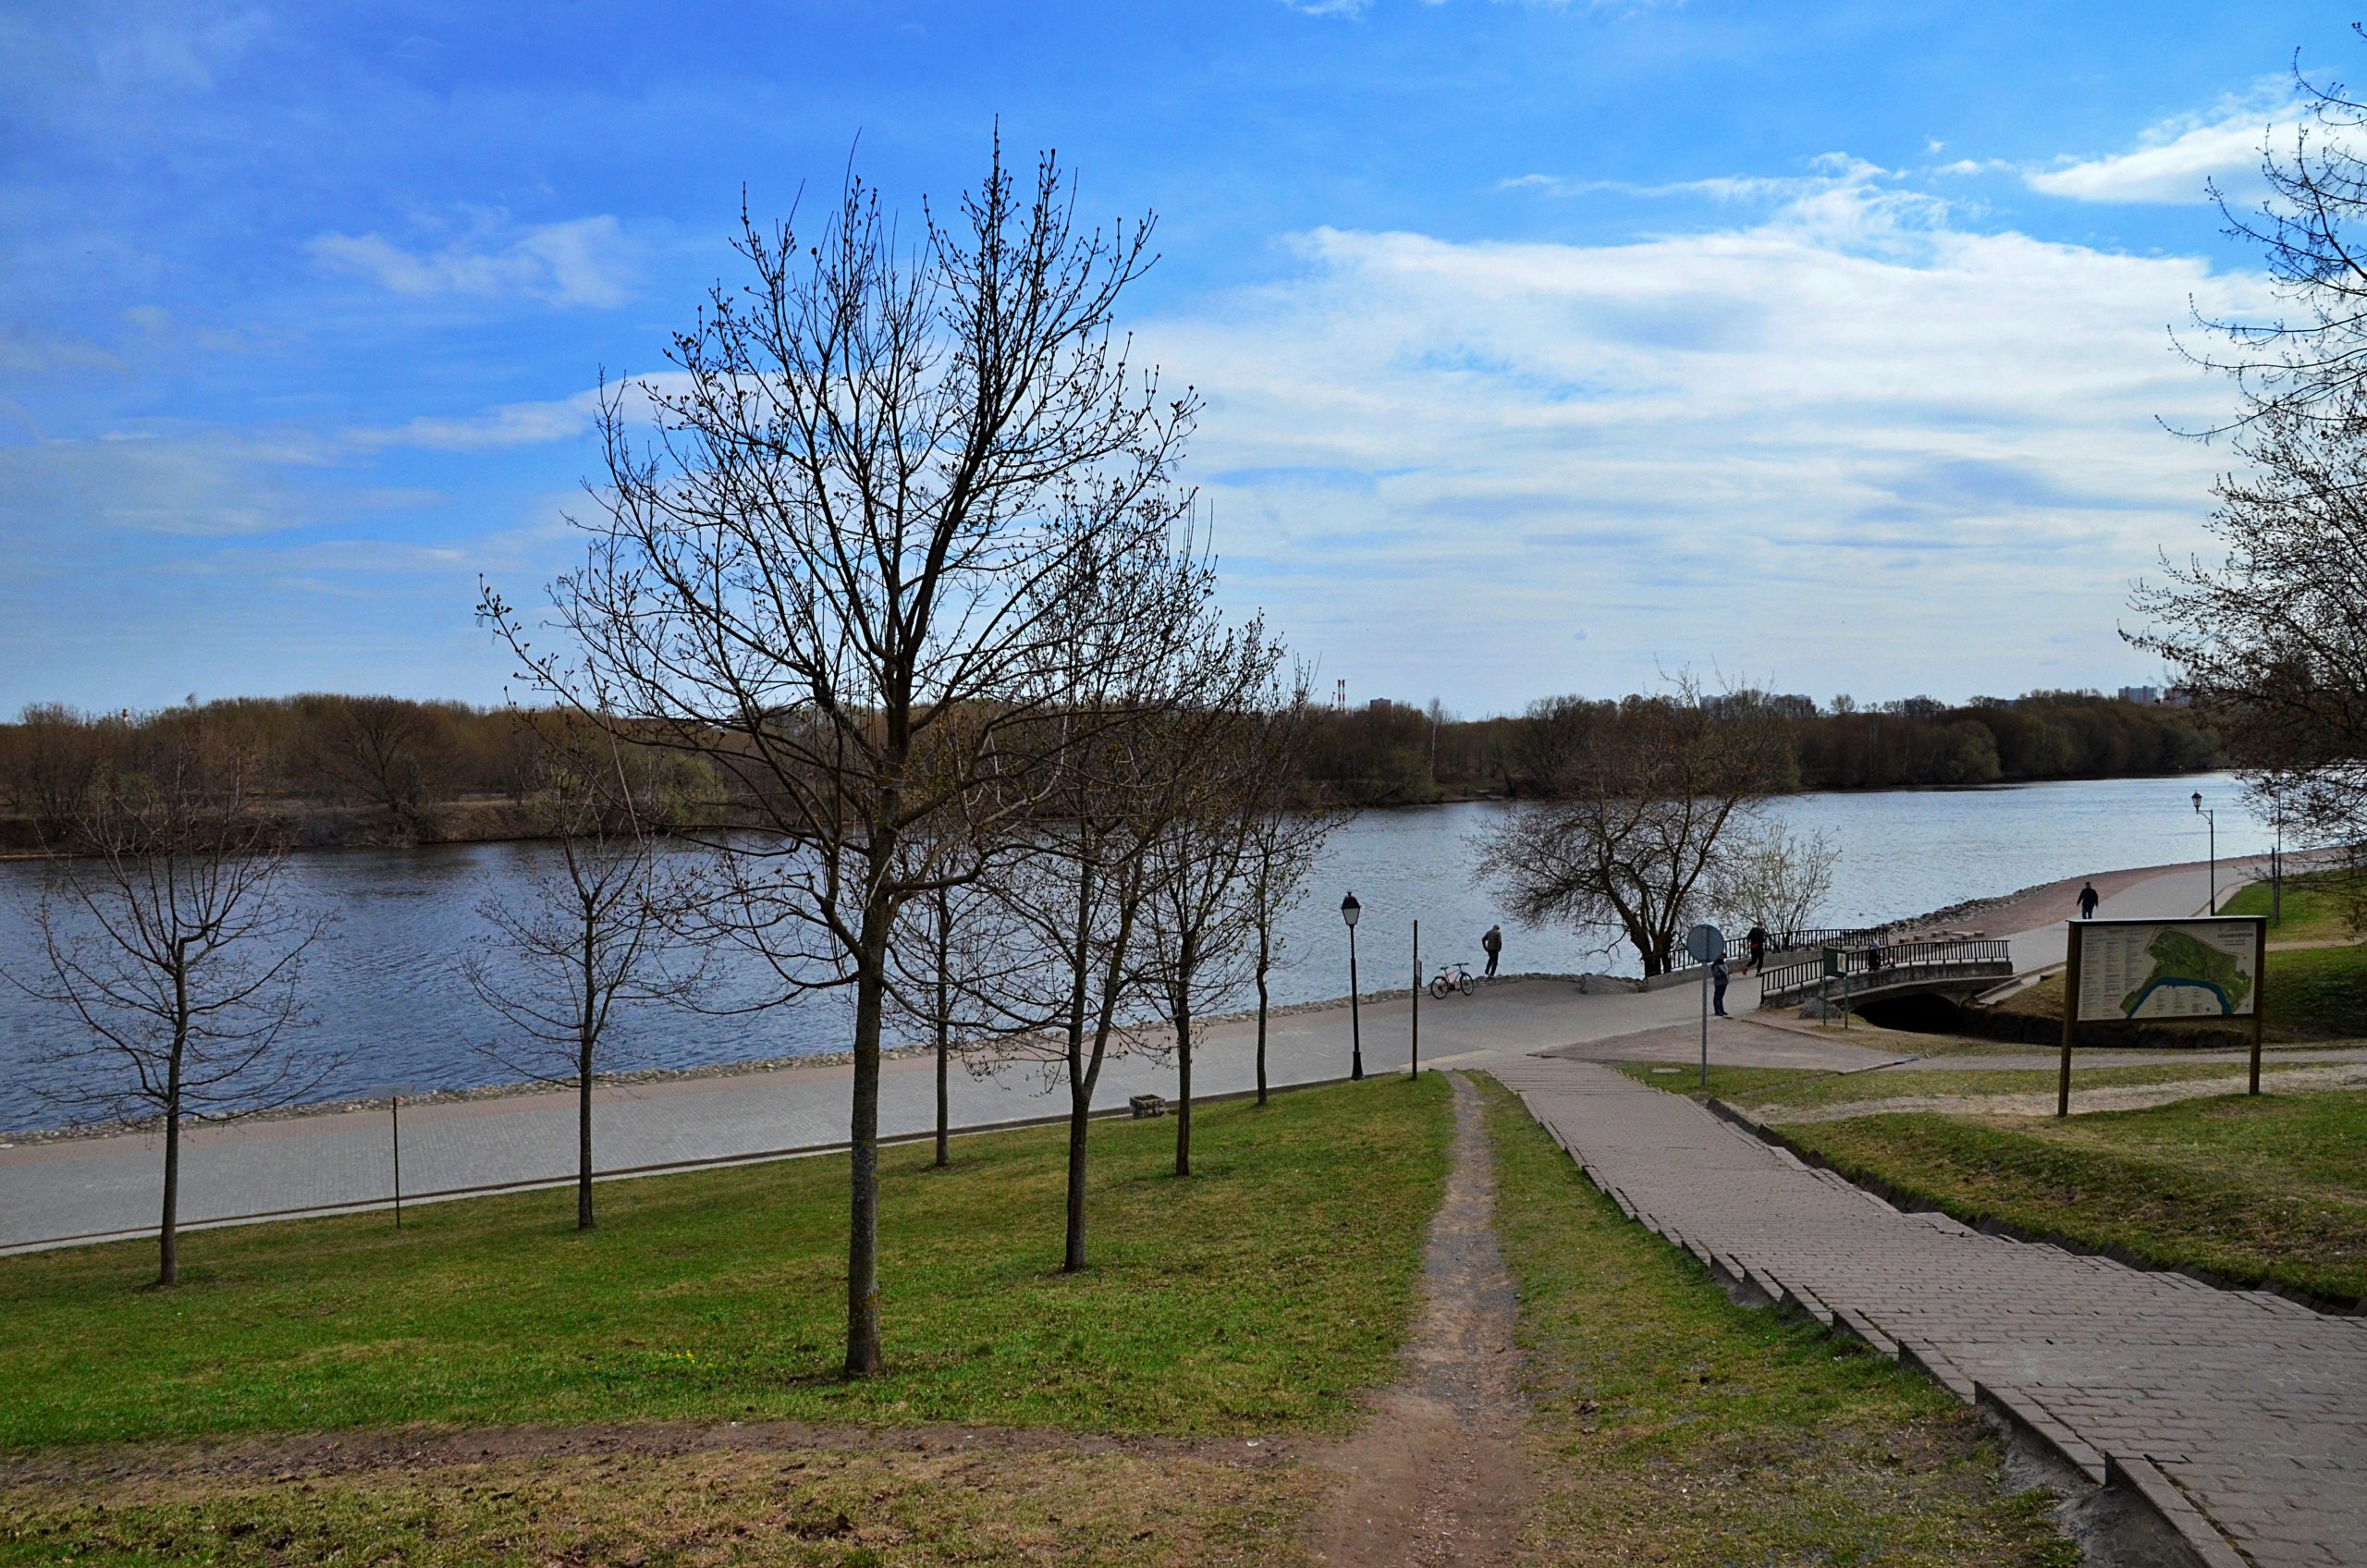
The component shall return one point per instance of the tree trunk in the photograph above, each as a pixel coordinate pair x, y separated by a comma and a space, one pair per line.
587, 1044
1080, 1089
168, 1268
944, 948
1263, 955
1080, 1105
1182, 1000
168, 1239
584, 1144
864, 1359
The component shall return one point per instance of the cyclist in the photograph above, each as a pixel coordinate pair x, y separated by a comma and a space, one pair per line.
1494, 945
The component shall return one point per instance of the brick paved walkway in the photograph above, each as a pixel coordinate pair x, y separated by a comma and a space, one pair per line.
2240, 1405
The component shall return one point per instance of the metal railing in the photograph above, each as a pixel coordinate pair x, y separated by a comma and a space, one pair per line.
1820, 937
1880, 965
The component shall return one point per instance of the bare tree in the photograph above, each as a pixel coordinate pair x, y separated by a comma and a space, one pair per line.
941, 953
170, 939
1772, 875
2306, 363
1201, 916
384, 750
1072, 906
55, 756
1647, 803
2271, 639
1283, 846
836, 536
592, 933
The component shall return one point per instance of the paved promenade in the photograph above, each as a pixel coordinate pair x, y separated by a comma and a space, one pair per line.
2242, 1406
97, 1188
87, 1188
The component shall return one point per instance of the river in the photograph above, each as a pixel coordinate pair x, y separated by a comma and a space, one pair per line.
391, 1004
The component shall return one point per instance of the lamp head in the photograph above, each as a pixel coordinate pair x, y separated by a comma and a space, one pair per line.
1350, 908
2198, 801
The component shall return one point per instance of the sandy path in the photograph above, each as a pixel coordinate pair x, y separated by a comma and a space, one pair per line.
1438, 1476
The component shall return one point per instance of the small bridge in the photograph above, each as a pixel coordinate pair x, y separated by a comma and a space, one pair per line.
1880, 971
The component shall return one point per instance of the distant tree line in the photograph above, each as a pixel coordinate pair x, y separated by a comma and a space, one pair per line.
377, 769
335, 769
1388, 753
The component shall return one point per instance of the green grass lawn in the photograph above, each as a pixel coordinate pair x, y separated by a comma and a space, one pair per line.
2273, 1189
1676, 1426
1775, 1090
1262, 1295
2315, 909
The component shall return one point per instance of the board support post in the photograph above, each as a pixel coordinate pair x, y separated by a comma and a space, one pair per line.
2070, 1017
2260, 995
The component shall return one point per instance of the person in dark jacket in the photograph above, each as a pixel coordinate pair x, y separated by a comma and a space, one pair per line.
2088, 901
1718, 985
1758, 941
1492, 944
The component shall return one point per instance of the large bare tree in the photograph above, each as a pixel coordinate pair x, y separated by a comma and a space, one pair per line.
169, 937
832, 530
1649, 796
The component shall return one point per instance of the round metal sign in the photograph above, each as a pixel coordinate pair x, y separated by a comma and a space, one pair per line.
1705, 942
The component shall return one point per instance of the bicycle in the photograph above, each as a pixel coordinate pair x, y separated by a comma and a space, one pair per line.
1455, 976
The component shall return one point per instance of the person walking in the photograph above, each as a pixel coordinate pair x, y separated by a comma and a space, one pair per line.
1492, 944
2088, 901
1718, 985
1758, 941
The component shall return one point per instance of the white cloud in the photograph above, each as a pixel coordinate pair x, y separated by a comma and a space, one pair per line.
1852, 438
2172, 171
2173, 158
1828, 170
513, 424
584, 262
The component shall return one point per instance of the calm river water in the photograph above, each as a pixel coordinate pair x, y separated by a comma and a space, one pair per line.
388, 987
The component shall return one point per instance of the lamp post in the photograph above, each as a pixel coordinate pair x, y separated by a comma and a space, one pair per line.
1349, 911
2211, 817
2276, 868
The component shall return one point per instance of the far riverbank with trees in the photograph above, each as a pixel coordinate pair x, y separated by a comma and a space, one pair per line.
346, 770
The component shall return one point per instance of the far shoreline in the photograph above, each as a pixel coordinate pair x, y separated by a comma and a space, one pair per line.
15, 830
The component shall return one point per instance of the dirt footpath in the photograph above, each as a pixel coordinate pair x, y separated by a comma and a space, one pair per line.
1438, 1475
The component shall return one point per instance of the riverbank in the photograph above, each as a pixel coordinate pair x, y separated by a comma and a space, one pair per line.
503, 819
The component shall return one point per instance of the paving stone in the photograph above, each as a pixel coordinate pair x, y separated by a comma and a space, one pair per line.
2239, 1413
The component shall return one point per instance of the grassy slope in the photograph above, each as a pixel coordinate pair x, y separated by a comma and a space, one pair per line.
1260, 1295
2314, 908
2268, 1189
1679, 1428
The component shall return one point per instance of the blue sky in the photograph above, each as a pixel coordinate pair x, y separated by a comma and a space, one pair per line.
1547, 347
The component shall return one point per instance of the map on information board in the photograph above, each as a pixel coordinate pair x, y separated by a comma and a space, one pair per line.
2168, 969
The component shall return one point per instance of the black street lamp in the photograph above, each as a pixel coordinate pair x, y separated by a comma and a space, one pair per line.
2213, 818
1349, 911
2277, 865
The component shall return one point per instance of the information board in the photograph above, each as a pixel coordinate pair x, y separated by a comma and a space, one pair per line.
2136, 969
